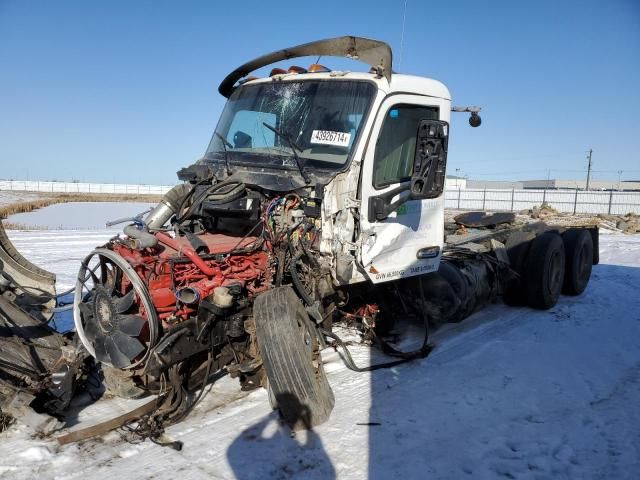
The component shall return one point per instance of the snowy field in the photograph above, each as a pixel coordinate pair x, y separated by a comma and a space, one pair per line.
509, 393
84, 215
7, 198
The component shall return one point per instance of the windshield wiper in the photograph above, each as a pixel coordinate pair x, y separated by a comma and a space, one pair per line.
226, 153
294, 149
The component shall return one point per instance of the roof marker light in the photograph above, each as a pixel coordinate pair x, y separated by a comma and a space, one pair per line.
277, 71
316, 68
296, 69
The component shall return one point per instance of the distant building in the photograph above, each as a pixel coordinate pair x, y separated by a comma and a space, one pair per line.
494, 184
550, 184
554, 184
453, 182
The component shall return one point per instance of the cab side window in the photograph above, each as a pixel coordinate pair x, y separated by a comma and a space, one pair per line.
396, 145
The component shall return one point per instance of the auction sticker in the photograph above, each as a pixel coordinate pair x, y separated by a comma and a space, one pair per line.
327, 137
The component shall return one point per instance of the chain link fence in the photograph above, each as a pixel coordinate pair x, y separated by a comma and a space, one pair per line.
566, 201
81, 187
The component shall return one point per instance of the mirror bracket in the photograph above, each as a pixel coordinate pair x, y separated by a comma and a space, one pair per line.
380, 206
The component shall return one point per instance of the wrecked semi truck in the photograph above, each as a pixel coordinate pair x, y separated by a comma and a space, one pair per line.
320, 198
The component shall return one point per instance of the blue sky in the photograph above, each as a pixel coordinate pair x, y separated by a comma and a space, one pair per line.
127, 91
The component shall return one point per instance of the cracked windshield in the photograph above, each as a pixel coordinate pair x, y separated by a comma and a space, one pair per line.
273, 122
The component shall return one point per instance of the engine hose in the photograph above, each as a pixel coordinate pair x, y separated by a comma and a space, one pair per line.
188, 252
63, 308
141, 238
253, 229
230, 196
311, 258
66, 292
180, 217
348, 359
297, 283
188, 195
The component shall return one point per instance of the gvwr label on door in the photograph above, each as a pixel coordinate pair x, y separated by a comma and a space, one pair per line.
406, 272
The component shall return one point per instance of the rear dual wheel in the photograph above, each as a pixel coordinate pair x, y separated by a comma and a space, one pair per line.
548, 265
579, 252
545, 270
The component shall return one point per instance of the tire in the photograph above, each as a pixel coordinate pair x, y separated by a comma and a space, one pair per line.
517, 247
290, 355
544, 273
578, 246
595, 239
272, 396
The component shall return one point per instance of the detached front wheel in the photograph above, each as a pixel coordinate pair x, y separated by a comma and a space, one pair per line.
288, 344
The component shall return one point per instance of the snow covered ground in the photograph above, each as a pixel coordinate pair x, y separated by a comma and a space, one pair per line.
7, 198
84, 215
508, 393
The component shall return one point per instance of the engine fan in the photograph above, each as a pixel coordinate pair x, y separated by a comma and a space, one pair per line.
113, 313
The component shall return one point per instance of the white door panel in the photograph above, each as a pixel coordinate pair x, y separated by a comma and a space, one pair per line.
389, 247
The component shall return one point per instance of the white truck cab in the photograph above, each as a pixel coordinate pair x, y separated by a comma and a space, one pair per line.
386, 134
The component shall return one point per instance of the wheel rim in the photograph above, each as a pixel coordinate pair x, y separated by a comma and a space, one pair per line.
113, 313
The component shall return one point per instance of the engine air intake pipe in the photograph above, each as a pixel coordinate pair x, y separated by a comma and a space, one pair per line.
188, 295
168, 206
188, 252
139, 239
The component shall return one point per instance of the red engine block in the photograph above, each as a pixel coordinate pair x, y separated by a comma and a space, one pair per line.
173, 265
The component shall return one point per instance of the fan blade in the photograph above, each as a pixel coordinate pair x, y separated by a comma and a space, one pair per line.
90, 329
111, 274
127, 346
86, 310
131, 324
116, 357
124, 303
101, 352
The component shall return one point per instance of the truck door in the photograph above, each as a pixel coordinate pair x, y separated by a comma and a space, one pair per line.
409, 240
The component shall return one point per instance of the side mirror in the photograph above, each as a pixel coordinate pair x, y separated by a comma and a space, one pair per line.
475, 120
429, 165
242, 140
